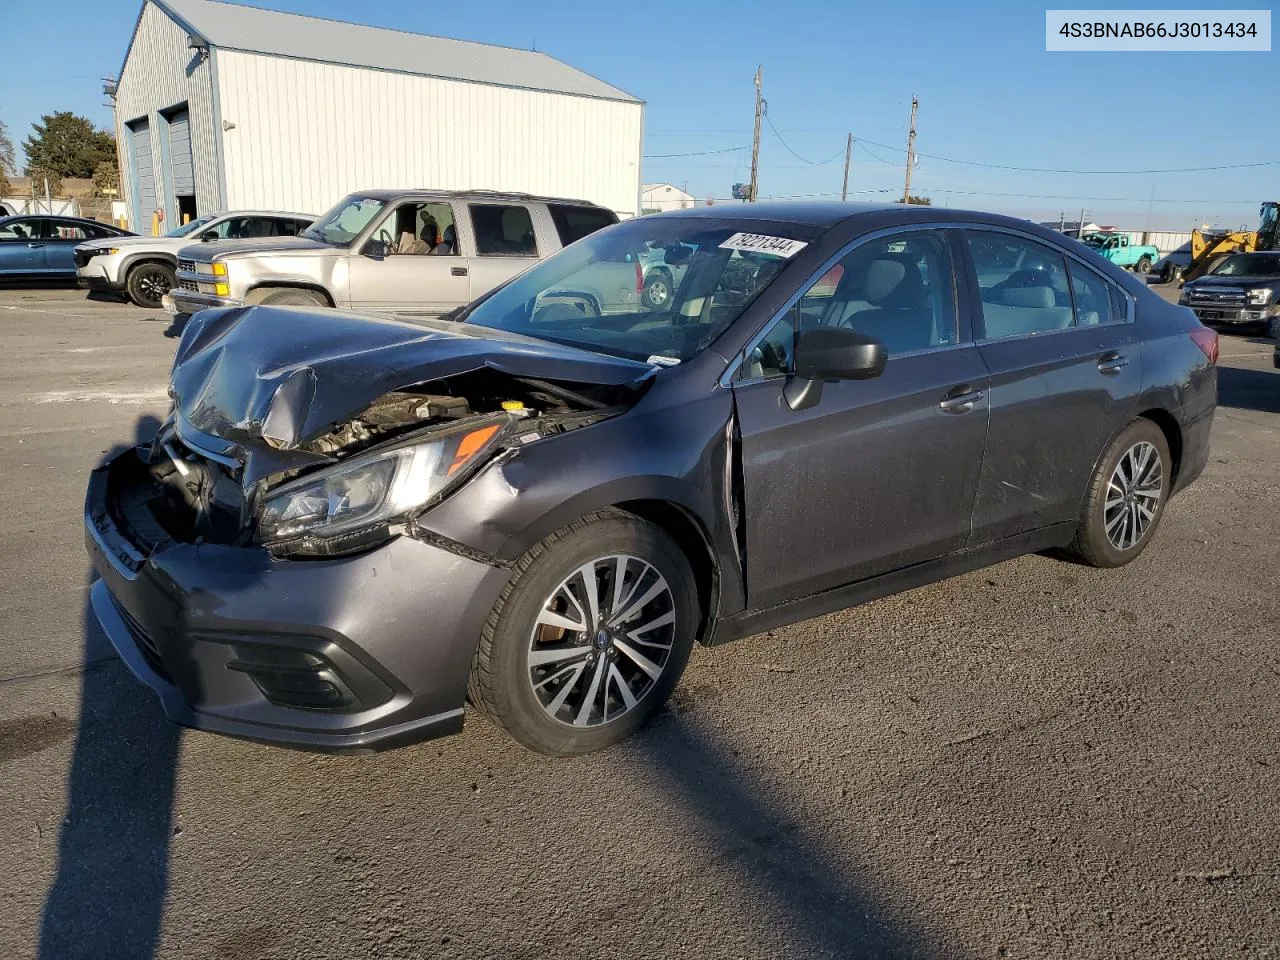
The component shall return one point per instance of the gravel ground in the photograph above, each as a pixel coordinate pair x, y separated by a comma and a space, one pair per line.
1034, 760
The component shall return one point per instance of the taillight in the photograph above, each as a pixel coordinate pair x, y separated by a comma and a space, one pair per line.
639, 278
1207, 341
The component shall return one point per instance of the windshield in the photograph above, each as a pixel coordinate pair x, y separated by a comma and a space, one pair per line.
1248, 265
650, 289
343, 223
187, 228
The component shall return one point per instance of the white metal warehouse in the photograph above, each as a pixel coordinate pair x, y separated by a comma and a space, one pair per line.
220, 106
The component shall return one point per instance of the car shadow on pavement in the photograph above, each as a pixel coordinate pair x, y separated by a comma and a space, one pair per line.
1247, 389
176, 325
107, 897
779, 858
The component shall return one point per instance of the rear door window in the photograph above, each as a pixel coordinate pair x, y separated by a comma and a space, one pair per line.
503, 230
1096, 302
575, 222
1023, 284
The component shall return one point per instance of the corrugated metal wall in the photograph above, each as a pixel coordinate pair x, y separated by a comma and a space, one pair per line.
323, 131
162, 72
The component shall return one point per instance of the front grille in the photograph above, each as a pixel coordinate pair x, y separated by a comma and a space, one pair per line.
190, 285
188, 265
83, 257
150, 652
1220, 299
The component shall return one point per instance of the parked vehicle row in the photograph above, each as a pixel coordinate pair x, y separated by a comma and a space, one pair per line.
348, 525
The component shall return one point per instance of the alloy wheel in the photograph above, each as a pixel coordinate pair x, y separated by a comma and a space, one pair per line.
1133, 496
601, 640
153, 286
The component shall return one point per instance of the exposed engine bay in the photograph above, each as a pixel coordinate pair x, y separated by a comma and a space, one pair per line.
174, 493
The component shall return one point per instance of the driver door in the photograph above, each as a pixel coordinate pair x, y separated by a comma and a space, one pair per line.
412, 264
881, 473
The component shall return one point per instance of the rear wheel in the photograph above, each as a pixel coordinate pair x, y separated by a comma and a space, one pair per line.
1169, 274
1126, 498
589, 637
147, 283
295, 297
1143, 266
657, 291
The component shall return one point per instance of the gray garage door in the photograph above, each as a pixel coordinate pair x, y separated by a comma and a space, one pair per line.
184, 183
144, 175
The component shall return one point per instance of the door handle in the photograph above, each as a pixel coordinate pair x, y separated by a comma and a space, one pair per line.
960, 400
1112, 363
35, 246
458, 271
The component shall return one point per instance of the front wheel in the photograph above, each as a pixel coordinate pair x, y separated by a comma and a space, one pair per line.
147, 283
1143, 266
294, 297
1126, 498
589, 637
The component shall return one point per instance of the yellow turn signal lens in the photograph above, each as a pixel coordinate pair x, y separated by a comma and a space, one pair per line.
222, 289
219, 269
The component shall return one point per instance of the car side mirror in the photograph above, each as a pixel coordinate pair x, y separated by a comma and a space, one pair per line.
375, 248
208, 235
831, 353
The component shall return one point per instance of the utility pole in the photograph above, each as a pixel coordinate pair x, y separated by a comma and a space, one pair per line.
848, 154
1080, 226
911, 151
755, 140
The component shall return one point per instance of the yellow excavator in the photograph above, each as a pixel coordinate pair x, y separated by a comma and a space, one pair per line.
1209, 246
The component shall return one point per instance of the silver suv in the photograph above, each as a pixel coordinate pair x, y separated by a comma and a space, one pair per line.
422, 253
143, 268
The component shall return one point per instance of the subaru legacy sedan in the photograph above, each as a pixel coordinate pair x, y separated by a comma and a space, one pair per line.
350, 526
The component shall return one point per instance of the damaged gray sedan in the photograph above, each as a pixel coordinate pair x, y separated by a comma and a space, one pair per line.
349, 526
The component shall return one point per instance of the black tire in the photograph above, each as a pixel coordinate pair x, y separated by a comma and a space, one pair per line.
294, 297
1143, 266
1169, 273
148, 282
658, 290
501, 684
1092, 544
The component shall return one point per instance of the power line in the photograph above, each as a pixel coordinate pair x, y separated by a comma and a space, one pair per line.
1005, 166
695, 153
812, 163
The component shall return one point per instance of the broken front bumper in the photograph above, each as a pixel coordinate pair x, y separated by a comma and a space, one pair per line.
350, 654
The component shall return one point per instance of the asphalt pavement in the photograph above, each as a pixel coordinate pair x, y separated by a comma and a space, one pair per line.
1034, 760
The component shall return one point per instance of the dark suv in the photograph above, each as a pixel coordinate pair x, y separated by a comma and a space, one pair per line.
349, 525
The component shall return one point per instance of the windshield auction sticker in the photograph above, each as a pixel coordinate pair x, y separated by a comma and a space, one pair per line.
1137, 30
763, 243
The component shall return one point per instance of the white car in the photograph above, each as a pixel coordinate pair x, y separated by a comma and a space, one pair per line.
144, 268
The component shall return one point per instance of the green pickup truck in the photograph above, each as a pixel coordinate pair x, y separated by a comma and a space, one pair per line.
1117, 248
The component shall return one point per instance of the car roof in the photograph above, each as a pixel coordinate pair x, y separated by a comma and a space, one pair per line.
59, 218
825, 214
383, 194
263, 213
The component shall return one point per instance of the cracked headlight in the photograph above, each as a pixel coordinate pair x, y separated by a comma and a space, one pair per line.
363, 495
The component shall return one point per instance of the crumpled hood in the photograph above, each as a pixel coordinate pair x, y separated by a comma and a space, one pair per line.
208, 249
291, 374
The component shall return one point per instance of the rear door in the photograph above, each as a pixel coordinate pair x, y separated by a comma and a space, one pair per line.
505, 243
22, 246
881, 473
413, 263
1058, 339
61, 239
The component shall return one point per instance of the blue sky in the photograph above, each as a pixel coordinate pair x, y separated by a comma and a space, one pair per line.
988, 93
